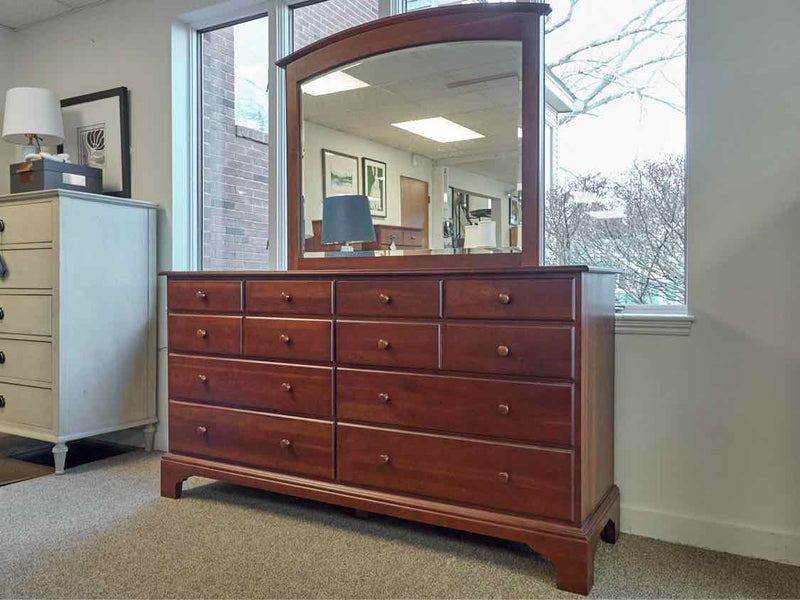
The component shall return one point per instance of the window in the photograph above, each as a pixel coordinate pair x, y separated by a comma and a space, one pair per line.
313, 22
234, 154
616, 194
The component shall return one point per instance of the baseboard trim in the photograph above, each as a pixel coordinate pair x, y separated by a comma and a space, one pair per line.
778, 546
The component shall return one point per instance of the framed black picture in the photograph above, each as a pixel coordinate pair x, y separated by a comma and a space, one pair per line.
373, 179
339, 174
97, 134
514, 210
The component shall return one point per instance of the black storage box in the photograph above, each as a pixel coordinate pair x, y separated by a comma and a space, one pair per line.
38, 175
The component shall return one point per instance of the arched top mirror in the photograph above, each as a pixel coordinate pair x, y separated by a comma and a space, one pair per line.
414, 142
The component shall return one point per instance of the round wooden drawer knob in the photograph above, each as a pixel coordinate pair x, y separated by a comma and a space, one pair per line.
383, 344
200, 295
286, 297
503, 477
285, 443
202, 333
285, 338
383, 397
384, 298
286, 387
201, 378
503, 298
503, 409
384, 458
201, 431
503, 351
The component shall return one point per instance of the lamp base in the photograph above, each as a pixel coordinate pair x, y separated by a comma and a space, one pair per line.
347, 248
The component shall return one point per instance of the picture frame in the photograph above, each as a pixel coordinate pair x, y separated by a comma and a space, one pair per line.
374, 181
514, 211
339, 174
97, 134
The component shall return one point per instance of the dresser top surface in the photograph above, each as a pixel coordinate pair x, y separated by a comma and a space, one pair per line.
299, 274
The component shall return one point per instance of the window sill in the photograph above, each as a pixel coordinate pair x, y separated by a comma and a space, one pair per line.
631, 323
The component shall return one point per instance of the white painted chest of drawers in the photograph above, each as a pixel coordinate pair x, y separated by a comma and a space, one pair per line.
77, 316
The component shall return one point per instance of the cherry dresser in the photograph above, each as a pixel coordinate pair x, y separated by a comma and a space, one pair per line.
482, 401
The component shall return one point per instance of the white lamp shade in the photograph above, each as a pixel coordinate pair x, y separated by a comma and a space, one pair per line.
32, 111
481, 235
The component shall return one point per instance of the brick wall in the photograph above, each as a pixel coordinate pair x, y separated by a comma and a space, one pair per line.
317, 21
235, 168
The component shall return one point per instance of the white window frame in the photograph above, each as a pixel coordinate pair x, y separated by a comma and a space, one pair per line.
634, 319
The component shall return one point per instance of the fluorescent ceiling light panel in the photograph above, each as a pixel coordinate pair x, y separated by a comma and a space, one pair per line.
338, 81
439, 130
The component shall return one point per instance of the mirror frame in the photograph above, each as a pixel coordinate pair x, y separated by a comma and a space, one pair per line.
519, 22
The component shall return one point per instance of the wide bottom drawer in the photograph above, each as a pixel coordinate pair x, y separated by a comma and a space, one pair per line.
510, 477
270, 441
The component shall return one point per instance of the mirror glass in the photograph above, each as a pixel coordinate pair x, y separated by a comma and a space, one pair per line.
414, 152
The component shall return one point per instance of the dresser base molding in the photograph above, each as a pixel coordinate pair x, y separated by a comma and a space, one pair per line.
570, 549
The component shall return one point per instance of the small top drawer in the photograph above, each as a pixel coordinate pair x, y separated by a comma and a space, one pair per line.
528, 350
412, 237
510, 299
26, 223
411, 345
205, 296
288, 297
205, 334
388, 298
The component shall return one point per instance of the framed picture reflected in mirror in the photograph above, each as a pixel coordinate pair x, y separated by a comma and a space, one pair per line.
373, 176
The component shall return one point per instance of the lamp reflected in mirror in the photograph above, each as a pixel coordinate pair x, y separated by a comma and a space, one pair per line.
346, 220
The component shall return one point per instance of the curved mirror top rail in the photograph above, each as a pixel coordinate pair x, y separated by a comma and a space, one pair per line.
415, 141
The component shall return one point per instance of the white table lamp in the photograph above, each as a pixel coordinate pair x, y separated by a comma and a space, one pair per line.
33, 117
481, 235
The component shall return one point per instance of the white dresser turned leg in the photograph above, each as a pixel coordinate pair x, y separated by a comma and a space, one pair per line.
60, 457
149, 437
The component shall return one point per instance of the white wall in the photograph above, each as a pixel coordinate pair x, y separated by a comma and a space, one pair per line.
6, 81
708, 426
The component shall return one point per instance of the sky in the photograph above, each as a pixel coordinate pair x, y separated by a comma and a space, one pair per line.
628, 129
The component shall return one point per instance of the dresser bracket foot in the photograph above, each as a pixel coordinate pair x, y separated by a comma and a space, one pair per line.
575, 568
610, 533
60, 457
149, 434
172, 478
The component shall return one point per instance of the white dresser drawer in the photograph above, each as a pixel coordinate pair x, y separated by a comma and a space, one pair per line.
31, 315
27, 223
28, 269
22, 359
26, 406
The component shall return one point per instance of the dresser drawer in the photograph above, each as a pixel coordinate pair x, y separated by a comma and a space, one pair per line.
288, 339
250, 384
510, 299
26, 406
30, 315
510, 477
22, 359
534, 412
27, 223
535, 351
28, 269
388, 298
412, 238
206, 334
414, 345
205, 296
268, 441
289, 297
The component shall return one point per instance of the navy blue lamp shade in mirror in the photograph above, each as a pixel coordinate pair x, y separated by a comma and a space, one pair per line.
346, 219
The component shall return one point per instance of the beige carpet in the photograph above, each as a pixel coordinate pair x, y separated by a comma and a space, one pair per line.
102, 531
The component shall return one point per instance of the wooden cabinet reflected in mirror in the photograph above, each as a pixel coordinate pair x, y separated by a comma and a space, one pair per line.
427, 123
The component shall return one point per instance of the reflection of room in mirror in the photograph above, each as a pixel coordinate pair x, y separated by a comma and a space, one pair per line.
446, 116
